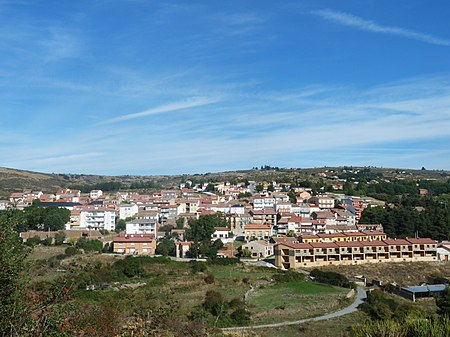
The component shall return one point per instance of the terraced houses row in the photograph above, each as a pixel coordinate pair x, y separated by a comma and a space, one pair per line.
345, 249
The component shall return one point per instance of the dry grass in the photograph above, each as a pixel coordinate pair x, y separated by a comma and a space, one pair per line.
404, 274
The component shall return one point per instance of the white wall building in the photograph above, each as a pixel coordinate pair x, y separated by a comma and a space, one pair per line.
97, 218
95, 194
128, 210
142, 226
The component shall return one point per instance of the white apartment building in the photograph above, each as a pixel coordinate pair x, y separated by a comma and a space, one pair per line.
128, 210
142, 226
97, 218
263, 202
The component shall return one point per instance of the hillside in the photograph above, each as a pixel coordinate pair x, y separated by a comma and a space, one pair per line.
14, 180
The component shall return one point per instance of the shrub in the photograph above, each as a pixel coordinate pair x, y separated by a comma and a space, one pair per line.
34, 241
198, 267
209, 279
214, 303
236, 303
223, 261
59, 238
89, 245
288, 276
71, 251
332, 278
240, 316
129, 266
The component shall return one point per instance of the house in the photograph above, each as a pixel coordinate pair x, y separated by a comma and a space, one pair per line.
257, 231
142, 226
226, 252
188, 206
4, 204
134, 244
127, 210
169, 194
182, 247
68, 195
95, 194
221, 233
322, 201
259, 248
443, 251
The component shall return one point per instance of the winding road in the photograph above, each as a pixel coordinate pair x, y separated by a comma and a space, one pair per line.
360, 297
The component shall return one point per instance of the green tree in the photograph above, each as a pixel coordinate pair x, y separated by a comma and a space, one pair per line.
180, 222
200, 232
89, 245
443, 303
121, 225
166, 247
55, 218
13, 309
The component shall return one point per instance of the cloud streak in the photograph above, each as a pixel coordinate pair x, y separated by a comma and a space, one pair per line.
189, 103
371, 26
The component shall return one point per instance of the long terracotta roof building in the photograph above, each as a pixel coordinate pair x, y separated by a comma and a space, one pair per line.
320, 253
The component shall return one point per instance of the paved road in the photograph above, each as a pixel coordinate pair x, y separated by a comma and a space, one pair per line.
360, 297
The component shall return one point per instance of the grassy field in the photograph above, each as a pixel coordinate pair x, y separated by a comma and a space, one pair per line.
336, 327
295, 300
404, 274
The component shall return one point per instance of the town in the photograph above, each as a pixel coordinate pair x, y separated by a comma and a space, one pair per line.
263, 220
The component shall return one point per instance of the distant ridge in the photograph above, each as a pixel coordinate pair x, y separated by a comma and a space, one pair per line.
16, 180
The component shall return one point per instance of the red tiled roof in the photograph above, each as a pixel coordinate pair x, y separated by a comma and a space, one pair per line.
257, 226
397, 242
349, 243
419, 241
134, 238
374, 243
323, 244
296, 245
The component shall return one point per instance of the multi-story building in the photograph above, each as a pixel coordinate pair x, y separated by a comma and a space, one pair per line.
322, 201
142, 226
319, 253
97, 218
257, 231
134, 244
262, 216
127, 210
263, 202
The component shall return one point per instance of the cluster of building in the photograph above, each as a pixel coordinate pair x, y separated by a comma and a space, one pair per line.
300, 228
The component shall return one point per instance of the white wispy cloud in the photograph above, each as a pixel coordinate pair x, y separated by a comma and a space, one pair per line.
189, 103
350, 20
60, 44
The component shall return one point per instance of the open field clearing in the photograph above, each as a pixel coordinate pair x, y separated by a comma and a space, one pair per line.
296, 300
404, 274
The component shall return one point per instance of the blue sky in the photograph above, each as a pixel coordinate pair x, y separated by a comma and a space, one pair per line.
168, 87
